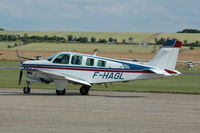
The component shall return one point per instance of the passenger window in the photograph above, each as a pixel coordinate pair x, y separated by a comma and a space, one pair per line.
76, 60
101, 63
62, 59
89, 62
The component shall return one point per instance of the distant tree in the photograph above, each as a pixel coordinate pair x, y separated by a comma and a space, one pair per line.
84, 40
46, 38
1, 29
79, 39
95, 50
93, 39
115, 40
25, 37
189, 31
130, 39
102, 40
161, 41
70, 38
124, 41
12, 38
156, 40
185, 42
75, 38
110, 39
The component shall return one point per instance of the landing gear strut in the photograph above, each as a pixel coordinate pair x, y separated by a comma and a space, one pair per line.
84, 90
60, 92
27, 89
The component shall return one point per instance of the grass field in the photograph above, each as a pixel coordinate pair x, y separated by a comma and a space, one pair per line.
176, 84
138, 37
84, 47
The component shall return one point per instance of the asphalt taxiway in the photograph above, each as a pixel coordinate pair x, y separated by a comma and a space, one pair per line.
100, 112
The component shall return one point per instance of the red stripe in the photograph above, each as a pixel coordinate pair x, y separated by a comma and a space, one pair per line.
99, 70
170, 72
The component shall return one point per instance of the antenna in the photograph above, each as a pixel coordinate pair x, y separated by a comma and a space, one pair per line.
95, 53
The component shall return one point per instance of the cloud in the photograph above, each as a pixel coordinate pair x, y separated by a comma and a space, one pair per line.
100, 15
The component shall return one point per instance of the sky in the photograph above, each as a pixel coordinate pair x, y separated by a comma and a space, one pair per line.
163, 16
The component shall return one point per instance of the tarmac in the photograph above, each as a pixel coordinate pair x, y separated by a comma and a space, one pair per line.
100, 112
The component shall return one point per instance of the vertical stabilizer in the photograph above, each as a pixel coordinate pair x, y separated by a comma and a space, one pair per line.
167, 56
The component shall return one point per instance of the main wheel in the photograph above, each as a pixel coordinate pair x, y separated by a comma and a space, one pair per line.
84, 90
60, 92
26, 90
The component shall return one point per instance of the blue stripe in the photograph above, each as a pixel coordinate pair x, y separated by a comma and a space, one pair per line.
132, 67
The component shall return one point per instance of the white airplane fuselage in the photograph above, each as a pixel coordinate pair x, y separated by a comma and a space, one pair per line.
114, 71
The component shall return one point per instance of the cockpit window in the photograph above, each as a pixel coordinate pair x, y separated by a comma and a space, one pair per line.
76, 60
89, 62
101, 63
51, 57
62, 59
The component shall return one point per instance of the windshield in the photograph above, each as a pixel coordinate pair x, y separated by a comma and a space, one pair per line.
51, 57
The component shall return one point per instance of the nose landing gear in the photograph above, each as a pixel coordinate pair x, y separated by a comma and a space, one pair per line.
27, 89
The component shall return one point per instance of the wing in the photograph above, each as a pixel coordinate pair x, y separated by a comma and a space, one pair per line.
62, 76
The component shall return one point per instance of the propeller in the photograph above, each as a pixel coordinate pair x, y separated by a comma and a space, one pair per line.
20, 76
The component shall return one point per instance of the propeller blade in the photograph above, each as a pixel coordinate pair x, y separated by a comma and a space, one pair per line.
20, 76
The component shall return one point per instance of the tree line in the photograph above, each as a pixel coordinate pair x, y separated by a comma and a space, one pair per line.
29, 39
189, 31
69, 38
185, 42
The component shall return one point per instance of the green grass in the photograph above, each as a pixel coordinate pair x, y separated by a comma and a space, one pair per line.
177, 84
138, 37
4, 45
84, 47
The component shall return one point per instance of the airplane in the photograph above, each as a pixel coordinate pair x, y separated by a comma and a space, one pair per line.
190, 64
83, 69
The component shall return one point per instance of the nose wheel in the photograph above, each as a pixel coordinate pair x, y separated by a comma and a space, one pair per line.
26, 90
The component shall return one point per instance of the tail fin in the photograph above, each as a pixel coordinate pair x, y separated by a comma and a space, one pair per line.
167, 56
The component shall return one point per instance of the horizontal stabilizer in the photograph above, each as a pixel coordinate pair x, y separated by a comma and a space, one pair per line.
165, 72
160, 71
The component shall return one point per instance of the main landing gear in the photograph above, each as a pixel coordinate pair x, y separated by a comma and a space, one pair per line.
84, 90
60, 92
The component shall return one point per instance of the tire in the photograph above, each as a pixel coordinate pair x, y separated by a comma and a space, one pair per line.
84, 90
26, 90
60, 92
